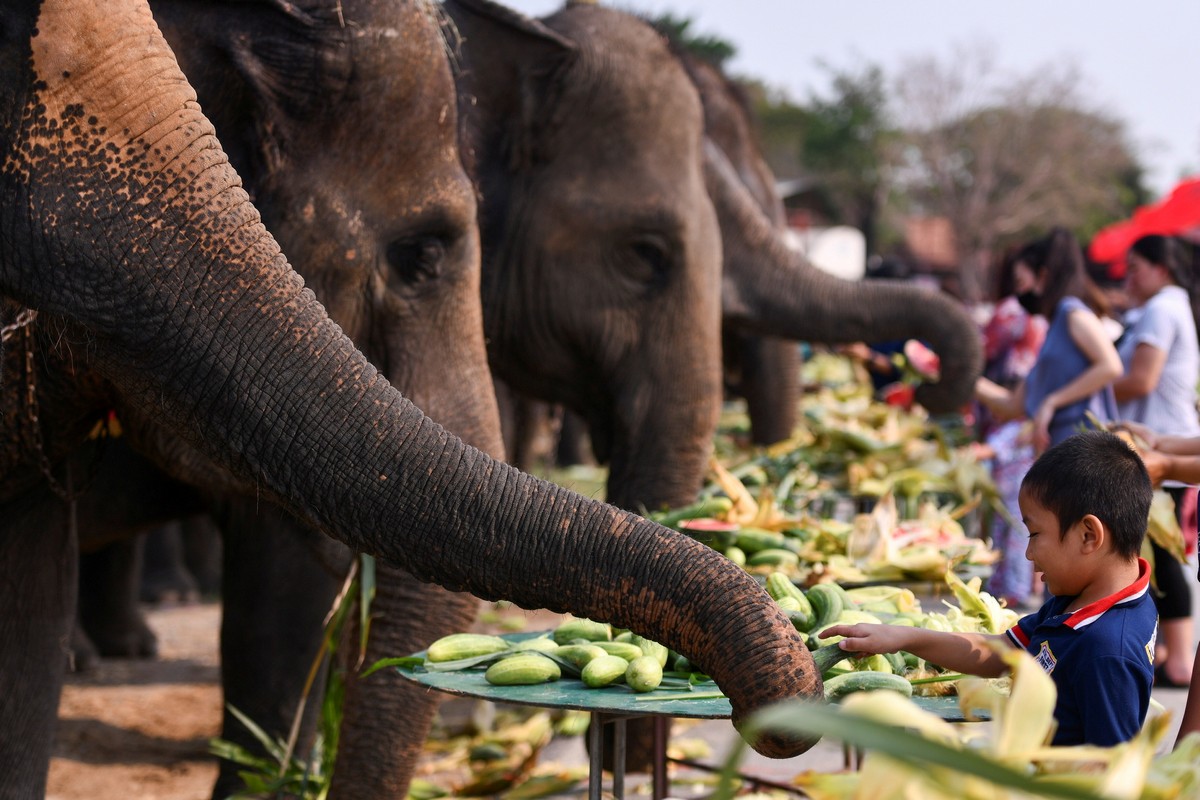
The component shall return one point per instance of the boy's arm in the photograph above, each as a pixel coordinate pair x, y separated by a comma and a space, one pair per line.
968, 653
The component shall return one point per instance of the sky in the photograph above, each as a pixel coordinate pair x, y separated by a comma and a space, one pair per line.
1139, 61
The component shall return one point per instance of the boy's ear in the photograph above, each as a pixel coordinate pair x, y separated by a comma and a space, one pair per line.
1092, 533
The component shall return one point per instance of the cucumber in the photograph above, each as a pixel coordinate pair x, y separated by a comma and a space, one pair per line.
458, 646
578, 655
524, 669
603, 671
644, 674
582, 629
626, 650
839, 686
653, 648
752, 540
774, 557
825, 657
827, 603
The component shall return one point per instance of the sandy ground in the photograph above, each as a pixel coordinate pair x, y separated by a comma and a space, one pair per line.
138, 730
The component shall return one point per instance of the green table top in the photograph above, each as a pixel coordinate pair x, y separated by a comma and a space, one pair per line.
616, 700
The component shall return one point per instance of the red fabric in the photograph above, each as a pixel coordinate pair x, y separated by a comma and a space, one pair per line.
1176, 214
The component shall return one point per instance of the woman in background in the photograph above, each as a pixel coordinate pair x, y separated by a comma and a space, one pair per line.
1162, 361
1012, 339
1073, 374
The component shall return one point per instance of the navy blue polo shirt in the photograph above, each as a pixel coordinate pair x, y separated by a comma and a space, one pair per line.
1101, 658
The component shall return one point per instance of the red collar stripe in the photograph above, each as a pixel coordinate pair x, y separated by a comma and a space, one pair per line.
1093, 611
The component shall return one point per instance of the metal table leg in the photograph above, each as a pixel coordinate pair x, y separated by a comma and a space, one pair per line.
596, 761
618, 778
659, 784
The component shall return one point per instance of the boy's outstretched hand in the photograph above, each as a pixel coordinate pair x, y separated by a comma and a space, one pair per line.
870, 638
970, 653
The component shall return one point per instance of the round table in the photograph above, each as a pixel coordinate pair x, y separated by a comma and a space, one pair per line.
612, 705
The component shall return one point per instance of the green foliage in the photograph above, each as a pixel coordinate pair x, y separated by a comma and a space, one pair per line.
712, 49
280, 772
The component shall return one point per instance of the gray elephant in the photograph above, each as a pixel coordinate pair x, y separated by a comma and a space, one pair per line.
127, 229
292, 91
764, 370
618, 244
376, 212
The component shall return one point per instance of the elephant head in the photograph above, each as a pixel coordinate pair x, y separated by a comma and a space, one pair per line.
124, 220
341, 119
765, 370
601, 253
769, 291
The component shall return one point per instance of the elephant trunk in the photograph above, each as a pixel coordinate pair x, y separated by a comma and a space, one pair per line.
246, 364
660, 448
778, 292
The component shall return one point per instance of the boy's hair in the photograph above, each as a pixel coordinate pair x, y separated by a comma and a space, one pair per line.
1094, 472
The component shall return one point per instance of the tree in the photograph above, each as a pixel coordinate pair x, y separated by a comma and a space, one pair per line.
847, 142
711, 48
1005, 158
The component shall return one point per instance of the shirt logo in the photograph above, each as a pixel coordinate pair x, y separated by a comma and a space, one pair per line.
1150, 644
1046, 659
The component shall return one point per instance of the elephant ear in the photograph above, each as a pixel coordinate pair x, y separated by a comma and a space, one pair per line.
510, 70
256, 66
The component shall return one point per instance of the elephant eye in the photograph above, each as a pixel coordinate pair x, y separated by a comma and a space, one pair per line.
652, 260
418, 259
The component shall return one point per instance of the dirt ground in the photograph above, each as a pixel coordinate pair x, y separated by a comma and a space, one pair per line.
139, 730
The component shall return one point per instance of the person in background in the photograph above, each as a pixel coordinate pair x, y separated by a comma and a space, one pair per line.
876, 357
1162, 361
1077, 364
1011, 341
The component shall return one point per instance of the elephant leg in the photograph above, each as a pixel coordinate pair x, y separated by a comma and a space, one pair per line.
83, 655
108, 601
165, 577
38, 566
573, 447
771, 385
202, 553
386, 718
280, 580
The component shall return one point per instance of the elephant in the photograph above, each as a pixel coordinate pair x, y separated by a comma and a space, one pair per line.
617, 249
127, 231
378, 215
764, 370
396, 263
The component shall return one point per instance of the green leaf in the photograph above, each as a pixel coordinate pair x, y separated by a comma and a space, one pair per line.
273, 747
815, 719
402, 661
229, 751
366, 588
692, 695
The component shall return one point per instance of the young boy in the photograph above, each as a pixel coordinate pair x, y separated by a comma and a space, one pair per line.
1085, 502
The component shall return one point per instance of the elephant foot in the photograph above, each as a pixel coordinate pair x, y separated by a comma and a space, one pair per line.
165, 578
168, 594
83, 655
131, 639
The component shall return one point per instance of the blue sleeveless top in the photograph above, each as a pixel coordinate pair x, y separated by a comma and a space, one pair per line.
1059, 362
